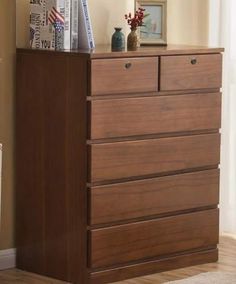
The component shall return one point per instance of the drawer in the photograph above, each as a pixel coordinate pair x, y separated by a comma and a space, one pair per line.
127, 75
191, 72
123, 201
152, 115
111, 161
154, 238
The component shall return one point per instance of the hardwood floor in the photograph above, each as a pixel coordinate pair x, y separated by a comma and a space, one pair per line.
227, 263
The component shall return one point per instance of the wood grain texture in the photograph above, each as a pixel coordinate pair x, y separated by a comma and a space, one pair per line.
155, 266
154, 238
124, 201
53, 135
157, 210
76, 170
111, 76
104, 51
151, 115
29, 179
177, 72
226, 263
111, 161
51, 231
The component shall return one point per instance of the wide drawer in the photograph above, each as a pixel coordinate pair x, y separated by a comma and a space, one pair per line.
127, 75
111, 161
190, 72
152, 115
123, 201
152, 239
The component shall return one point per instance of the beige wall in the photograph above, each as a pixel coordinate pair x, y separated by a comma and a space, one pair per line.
187, 24
7, 53
187, 20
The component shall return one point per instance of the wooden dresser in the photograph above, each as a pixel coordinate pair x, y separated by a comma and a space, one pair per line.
117, 160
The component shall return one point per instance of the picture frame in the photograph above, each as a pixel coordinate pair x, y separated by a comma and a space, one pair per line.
154, 31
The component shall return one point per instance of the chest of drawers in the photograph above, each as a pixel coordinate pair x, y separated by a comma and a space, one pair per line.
117, 159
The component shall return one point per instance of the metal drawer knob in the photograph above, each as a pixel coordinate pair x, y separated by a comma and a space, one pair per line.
128, 65
193, 61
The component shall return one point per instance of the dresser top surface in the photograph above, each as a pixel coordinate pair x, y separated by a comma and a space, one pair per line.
104, 51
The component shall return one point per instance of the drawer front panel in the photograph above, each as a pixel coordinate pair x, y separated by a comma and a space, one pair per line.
128, 75
149, 239
191, 72
111, 161
149, 197
152, 115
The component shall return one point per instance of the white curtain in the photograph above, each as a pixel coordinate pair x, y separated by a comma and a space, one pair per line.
223, 32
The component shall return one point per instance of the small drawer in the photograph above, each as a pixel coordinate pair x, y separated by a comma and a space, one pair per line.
112, 161
191, 72
128, 75
154, 115
154, 238
130, 200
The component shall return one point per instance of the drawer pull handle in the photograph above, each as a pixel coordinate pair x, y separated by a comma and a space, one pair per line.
128, 65
194, 61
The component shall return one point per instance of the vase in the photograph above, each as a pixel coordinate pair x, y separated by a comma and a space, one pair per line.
118, 40
132, 41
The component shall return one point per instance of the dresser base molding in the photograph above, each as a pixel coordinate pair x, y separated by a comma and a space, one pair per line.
155, 266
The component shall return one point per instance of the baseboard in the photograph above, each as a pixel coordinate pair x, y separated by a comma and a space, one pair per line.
7, 259
230, 235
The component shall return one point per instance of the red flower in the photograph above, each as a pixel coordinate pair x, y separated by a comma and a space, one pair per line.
137, 20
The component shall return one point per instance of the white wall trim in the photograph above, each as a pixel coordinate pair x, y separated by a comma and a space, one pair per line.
229, 235
214, 22
7, 259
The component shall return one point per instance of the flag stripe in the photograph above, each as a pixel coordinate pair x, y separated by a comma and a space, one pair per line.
58, 15
55, 15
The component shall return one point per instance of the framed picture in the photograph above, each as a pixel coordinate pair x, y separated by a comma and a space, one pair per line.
154, 31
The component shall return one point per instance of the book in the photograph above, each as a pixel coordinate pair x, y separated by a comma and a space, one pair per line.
86, 39
67, 24
74, 24
36, 18
50, 26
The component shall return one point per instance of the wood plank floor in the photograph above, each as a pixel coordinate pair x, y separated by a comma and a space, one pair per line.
227, 263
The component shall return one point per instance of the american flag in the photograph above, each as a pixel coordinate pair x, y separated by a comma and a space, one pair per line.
58, 26
55, 16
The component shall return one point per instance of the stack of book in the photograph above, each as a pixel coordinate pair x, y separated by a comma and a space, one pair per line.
60, 24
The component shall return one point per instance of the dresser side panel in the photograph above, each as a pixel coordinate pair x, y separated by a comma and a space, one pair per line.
51, 164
